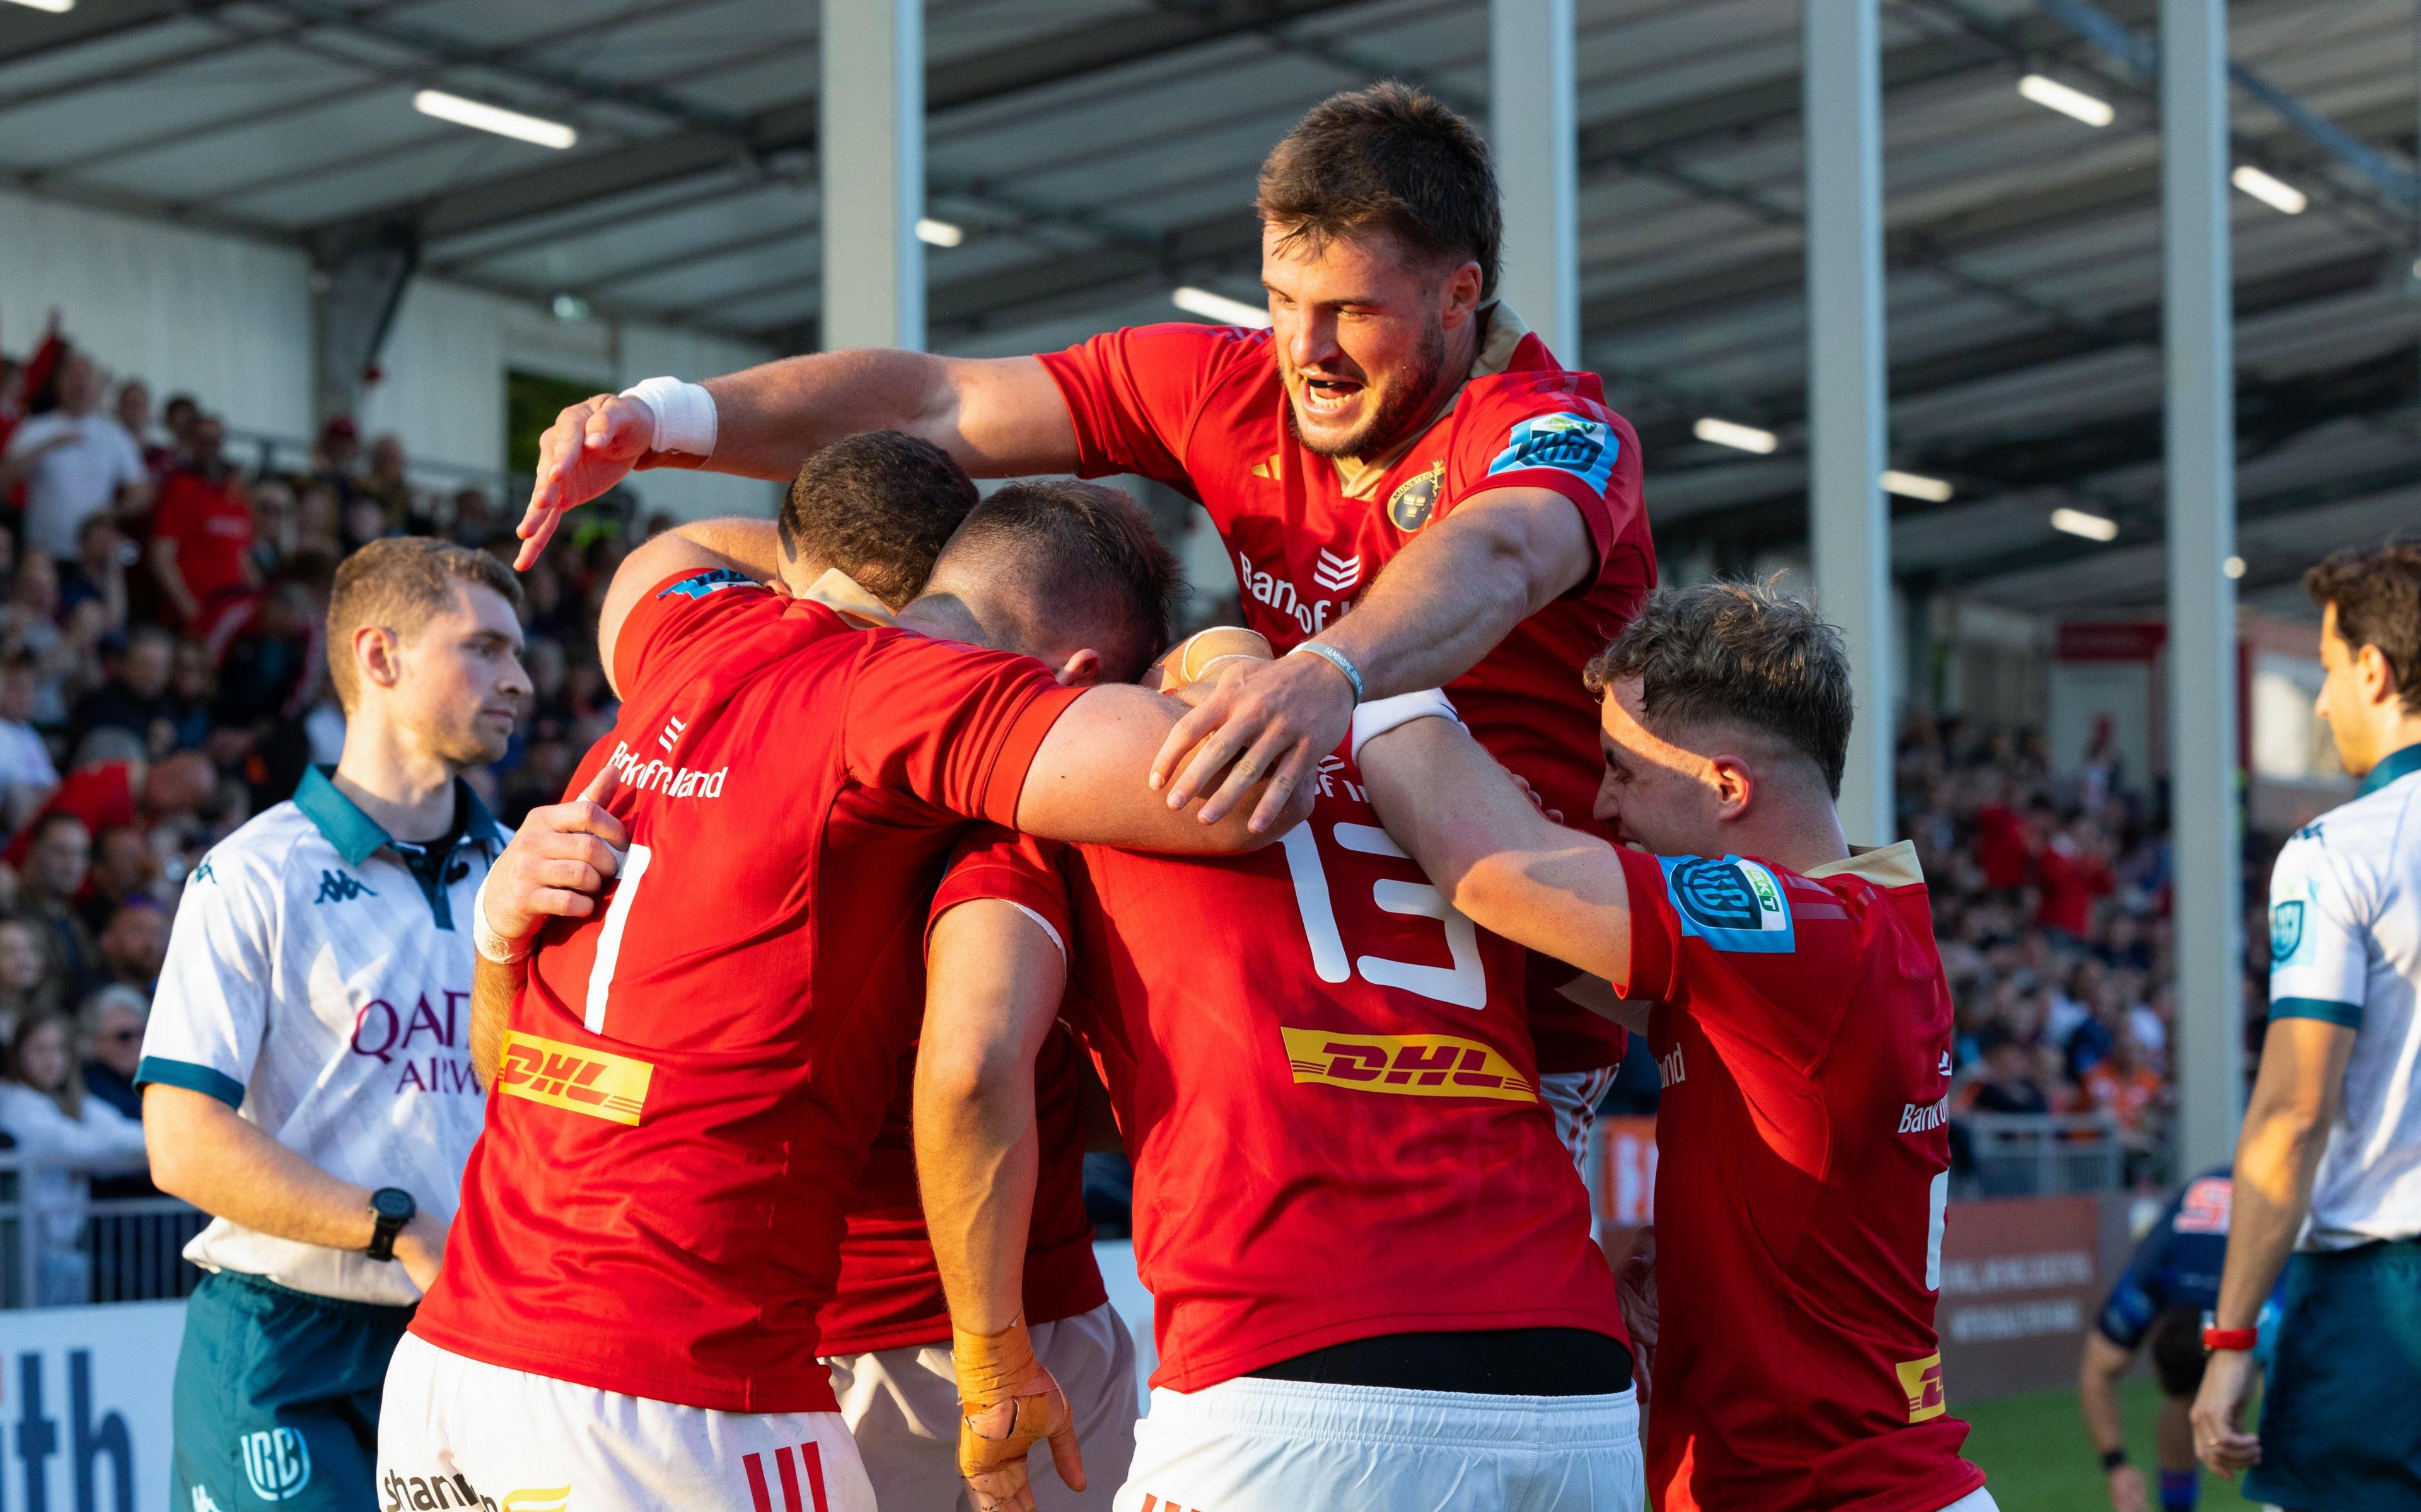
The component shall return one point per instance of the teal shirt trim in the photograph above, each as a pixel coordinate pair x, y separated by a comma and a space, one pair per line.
2344, 1015
356, 835
193, 1078
2397, 763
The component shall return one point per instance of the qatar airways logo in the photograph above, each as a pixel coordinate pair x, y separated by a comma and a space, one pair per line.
1339, 574
653, 775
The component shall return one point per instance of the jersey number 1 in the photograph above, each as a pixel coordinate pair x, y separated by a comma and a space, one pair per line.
609, 939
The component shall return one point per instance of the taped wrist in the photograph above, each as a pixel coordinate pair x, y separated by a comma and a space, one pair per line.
993, 1367
1380, 716
488, 941
685, 414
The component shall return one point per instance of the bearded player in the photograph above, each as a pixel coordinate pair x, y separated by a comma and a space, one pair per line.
693, 1074
1397, 441
1368, 1254
1802, 1027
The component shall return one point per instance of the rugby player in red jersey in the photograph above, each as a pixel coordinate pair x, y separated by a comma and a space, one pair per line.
1397, 443
1802, 1025
693, 1074
1368, 1253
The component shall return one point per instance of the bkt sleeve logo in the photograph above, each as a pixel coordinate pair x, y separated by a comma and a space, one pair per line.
1568, 443
1732, 904
277, 1462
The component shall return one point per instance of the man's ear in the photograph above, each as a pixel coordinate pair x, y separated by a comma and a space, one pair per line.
1462, 287
377, 656
1082, 669
2375, 675
1728, 778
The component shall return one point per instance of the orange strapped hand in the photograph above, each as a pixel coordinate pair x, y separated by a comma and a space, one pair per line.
1007, 1404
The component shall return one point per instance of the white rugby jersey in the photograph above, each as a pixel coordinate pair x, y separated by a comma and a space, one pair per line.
316, 983
2345, 946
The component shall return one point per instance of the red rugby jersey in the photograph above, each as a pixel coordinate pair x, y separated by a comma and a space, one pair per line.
695, 1073
890, 1291
1202, 408
1323, 1072
1803, 1158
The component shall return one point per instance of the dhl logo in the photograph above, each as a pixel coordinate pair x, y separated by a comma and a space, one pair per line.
577, 1080
1921, 1380
1417, 1066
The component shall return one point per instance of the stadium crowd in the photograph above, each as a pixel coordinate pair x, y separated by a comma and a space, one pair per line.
161, 679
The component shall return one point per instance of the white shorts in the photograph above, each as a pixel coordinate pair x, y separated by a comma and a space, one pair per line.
903, 1407
1254, 1445
1573, 1096
513, 1442
1978, 1500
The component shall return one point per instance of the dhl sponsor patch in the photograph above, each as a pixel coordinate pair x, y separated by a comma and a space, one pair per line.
1921, 1380
1418, 1066
575, 1078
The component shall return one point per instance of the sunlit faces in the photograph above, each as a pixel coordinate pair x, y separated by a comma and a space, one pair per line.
2356, 686
1655, 794
462, 683
1365, 337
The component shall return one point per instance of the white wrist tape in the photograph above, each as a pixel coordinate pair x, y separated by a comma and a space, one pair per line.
1380, 716
490, 943
685, 418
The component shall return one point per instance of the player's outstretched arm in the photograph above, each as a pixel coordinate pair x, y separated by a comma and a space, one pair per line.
1485, 845
1084, 783
994, 979
1000, 417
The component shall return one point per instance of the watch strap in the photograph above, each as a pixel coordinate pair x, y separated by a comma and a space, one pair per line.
2230, 1338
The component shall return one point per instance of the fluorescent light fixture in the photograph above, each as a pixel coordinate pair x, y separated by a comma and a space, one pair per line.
1219, 308
1917, 486
1731, 433
570, 308
2233, 567
935, 233
2283, 198
2090, 526
496, 118
2053, 95
56, 7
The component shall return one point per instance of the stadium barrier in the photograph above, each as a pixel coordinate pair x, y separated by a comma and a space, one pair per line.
57, 1249
2040, 1154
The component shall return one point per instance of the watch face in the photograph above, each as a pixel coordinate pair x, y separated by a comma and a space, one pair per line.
389, 1203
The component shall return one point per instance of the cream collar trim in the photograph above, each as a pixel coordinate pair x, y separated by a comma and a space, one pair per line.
844, 596
1891, 865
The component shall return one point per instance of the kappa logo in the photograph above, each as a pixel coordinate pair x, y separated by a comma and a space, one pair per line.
1336, 573
672, 732
1921, 1381
1415, 499
698, 585
810, 1463
575, 1079
1418, 1066
1732, 904
204, 1502
342, 887
277, 1463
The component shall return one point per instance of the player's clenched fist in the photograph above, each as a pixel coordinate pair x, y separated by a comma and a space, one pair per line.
1008, 1403
556, 864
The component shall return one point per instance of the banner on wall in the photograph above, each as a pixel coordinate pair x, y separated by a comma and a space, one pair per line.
85, 1402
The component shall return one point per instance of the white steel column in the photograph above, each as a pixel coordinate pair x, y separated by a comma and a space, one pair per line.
2200, 350
872, 148
1849, 526
1536, 144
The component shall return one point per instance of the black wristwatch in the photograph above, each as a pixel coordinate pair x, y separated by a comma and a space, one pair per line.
2113, 1458
391, 1208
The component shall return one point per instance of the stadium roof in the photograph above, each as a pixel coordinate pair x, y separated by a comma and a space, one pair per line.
1097, 154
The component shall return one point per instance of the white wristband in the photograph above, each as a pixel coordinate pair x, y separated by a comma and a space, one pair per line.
489, 942
1380, 716
685, 418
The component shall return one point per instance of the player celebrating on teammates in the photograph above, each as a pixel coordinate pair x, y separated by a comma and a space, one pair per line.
1384, 1294
1802, 1026
306, 1076
693, 1077
1397, 443
2328, 1169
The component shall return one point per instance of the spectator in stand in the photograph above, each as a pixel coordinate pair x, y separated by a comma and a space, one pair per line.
2008, 1083
201, 540
2073, 871
2124, 1085
75, 462
318, 530
132, 945
386, 483
114, 1019
273, 525
336, 458
65, 1137
57, 861
136, 698
125, 869
193, 690
28, 983
98, 574
474, 522
27, 777
134, 409
176, 417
